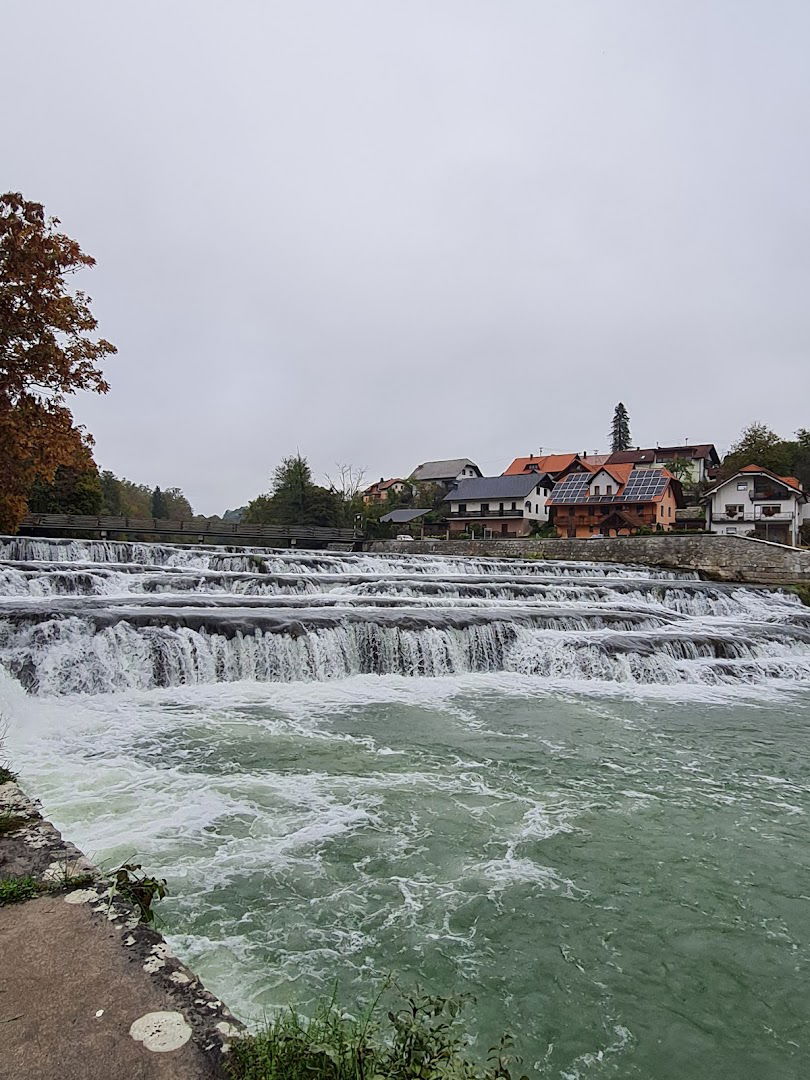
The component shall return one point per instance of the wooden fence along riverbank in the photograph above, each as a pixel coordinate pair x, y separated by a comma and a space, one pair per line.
220, 532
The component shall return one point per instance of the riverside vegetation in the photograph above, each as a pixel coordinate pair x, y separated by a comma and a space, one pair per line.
421, 1038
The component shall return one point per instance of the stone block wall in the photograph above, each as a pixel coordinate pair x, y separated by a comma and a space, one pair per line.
721, 558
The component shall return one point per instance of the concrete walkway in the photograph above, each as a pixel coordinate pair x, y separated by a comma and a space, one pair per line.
86, 991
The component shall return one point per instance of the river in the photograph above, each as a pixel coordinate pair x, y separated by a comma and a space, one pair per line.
579, 792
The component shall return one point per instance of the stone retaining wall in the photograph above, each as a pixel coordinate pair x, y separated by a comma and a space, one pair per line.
721, 558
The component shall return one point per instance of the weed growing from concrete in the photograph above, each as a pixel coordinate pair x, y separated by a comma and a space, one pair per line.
422, 1040
7, 775
131, 884
15, 890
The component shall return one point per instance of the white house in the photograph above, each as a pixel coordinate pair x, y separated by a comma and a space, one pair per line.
499, 505
444, 472
757, 502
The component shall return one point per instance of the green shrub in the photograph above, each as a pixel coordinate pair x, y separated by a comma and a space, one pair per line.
15, 890
422, 1040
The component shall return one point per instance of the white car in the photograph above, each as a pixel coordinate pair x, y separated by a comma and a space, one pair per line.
404, 536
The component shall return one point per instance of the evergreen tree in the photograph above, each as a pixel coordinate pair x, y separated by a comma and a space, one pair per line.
159, 509
620, 429
111, 494
73, 490
295, 499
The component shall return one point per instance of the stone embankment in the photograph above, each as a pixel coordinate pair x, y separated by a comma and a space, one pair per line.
87, 991
719, 558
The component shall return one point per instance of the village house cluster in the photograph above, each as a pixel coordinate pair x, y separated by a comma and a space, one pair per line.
582, 495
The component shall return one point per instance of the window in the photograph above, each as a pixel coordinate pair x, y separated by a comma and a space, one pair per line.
769, 510
609, 489
733, 509
537, 508
500, 508
462, 508
514, 506
484, 508
596, 490
742, 485
731, 528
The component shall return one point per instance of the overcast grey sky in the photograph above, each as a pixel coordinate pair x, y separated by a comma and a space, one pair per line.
383, 232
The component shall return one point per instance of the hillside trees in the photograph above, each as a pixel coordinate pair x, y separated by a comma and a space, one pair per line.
158, 504
759, 445
47, 351
75, 489
295, 499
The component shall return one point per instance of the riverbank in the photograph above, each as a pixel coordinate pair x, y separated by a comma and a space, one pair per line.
89, 991
739, 559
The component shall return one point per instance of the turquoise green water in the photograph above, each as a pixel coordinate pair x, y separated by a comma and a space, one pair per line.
578, 792
622, 883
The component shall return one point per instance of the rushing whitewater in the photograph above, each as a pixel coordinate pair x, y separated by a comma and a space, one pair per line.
578, 790
91, 617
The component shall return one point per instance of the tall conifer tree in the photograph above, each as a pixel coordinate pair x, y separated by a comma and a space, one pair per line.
620, 429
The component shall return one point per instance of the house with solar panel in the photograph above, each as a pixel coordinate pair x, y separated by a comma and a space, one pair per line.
701, 460
615, 500
498, 505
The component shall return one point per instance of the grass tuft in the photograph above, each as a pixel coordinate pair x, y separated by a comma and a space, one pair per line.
422, 1040
15, 890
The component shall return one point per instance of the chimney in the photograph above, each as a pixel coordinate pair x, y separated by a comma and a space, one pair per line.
382, 479
584, 453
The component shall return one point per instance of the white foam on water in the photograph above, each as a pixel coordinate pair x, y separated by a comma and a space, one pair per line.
348, 763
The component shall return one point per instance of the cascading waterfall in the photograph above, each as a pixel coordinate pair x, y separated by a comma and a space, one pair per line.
580, 790
81, 616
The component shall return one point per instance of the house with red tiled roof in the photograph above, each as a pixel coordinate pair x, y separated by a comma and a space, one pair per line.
554, 465
383, 489
757, 502
614, 500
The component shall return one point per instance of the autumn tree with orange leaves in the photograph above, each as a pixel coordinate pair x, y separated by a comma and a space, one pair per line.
48, 350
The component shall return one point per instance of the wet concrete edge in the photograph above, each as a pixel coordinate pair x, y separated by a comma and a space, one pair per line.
37, 849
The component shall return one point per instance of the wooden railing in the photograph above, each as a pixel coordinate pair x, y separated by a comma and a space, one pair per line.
190, 531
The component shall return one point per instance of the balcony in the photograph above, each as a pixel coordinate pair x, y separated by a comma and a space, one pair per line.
458, 515
751, 518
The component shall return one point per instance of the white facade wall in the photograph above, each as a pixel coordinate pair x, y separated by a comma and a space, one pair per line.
533, 505
736, 492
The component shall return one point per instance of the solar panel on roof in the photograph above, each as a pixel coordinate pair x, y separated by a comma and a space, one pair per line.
644, 484
572, 488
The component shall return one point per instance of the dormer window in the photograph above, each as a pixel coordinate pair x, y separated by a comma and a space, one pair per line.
609, 489
596, 490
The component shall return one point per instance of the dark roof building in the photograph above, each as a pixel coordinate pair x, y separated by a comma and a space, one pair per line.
444, 472
497, 487
499, 505
702, 457
403, 516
